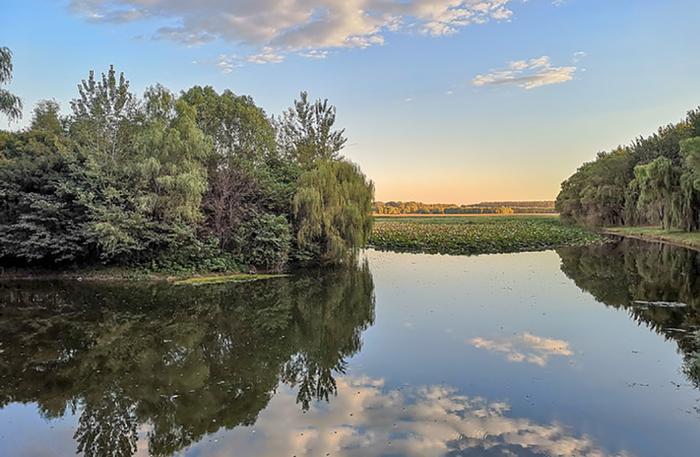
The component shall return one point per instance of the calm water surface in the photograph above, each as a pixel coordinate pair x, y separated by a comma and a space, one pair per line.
578, 352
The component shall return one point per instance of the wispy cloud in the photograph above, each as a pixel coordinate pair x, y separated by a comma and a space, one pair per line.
528, 74
267, 55
227, 63
307, 27
525, 348
579, 56
315, 54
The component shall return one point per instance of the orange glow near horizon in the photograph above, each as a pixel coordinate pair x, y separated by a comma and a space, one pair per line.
470, 188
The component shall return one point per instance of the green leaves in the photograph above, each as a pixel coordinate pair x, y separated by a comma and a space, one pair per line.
169, 179
10, 104
333, 210
690, 149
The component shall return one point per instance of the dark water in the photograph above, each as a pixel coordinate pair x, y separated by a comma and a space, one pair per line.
580, 352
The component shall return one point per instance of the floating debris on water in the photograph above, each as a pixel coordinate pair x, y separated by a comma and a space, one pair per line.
660, 304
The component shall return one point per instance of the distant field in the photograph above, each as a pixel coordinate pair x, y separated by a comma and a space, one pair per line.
461, 216
476, 234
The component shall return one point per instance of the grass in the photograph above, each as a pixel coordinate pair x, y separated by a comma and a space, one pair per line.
422, 216
686, 239
131, 274
477, 235
224, 278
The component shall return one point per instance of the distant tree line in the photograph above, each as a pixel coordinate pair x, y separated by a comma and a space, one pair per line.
199, 179
513, 207
653, 181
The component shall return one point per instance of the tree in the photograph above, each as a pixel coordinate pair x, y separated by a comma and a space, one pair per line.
333, 211
307, 133
240, 129
47, 117
152, 202
170, 155
652, 181
596, 194
189, 182
103, 113
690, 149
656, 181
42, 218
10, 104
248, 179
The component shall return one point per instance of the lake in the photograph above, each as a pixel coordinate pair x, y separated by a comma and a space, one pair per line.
587, 351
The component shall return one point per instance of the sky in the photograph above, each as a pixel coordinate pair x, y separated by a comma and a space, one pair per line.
453, 101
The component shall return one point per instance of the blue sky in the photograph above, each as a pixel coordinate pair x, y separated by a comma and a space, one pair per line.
442, 100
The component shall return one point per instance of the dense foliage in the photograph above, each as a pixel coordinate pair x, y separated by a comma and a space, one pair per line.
199, 180
521, 207
653, 181
476, 235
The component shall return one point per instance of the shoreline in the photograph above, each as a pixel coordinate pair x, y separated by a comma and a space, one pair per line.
132, 275
658, 235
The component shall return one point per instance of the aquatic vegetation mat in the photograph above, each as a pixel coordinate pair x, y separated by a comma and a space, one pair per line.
478, 235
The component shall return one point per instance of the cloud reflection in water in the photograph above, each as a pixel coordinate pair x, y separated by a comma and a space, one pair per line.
525, 348
367, 420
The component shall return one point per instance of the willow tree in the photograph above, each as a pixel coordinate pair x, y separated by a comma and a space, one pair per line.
657, 181
690, 149
333, 211
171, 153
690, 183
10, 104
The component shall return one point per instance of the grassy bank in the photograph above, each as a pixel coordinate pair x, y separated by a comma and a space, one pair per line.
130, 274
685, 239
476, 235
224, 278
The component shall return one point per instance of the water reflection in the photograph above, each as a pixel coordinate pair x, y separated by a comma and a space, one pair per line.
275, 368
657, 284
525, 348
431, 421
183, 361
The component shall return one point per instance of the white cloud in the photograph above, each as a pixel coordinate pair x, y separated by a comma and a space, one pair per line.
267, 55
525, 348
528, 74
315, 54
227, 63
366, 420
296, 26
579, 55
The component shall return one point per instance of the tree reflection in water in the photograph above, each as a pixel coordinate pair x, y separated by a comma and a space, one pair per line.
181, 362
657, 284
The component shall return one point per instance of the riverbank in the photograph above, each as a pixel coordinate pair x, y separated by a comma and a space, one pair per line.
116, 274
689, 240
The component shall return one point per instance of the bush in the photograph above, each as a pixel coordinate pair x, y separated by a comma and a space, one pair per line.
265, 242
192, 255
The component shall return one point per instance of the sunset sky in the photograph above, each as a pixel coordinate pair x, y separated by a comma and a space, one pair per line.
442, 100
